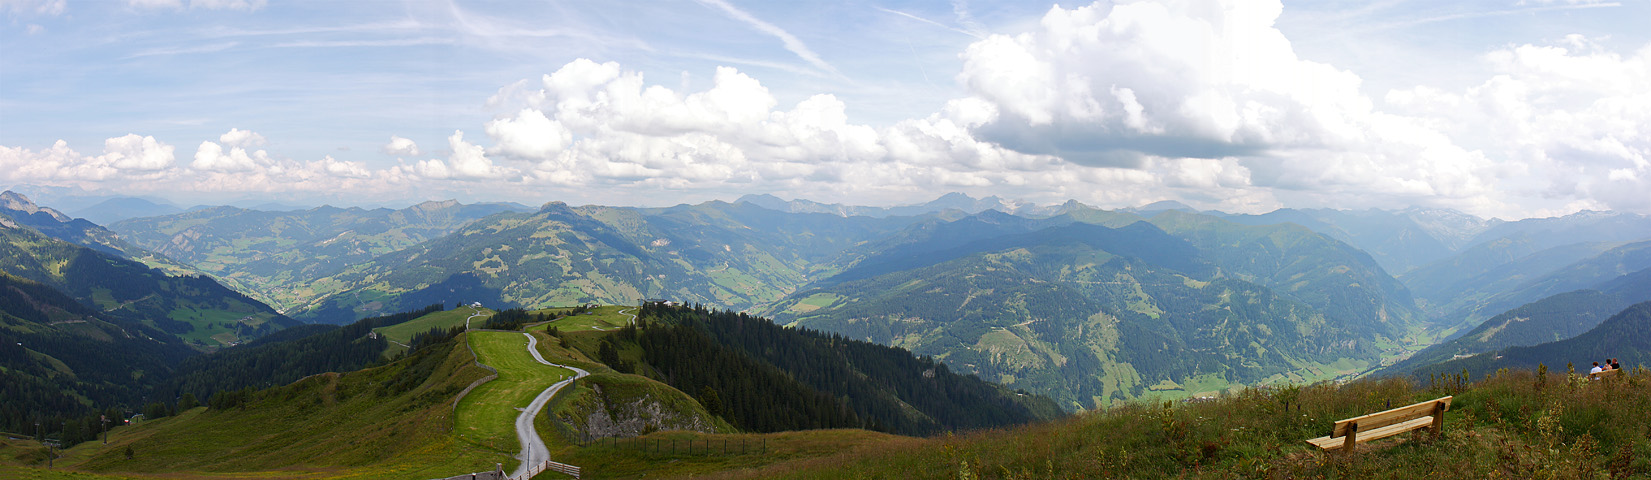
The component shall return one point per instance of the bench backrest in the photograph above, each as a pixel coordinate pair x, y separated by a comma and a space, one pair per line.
1603, 373
1389, 417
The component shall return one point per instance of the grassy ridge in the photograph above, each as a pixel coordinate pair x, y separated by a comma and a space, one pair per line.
486, 417
1513, 425
325, 426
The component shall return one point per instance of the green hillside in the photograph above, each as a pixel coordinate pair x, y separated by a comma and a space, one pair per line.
1092, 315
393, 421
1515, 425
194, 308
732, 255
1622, 336
64, 361
1554, 318
275, 255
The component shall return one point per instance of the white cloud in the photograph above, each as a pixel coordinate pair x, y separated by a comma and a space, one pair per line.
132, 152
151, 4
468, 162
1108, 84
791, 42
1567, 122
129, 156
241, 5
528, 135
242, 138
401, 146
34, 7
211, 156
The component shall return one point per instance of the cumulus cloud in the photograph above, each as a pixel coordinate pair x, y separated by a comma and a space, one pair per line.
211, 156
1114, 104
1571, 122
1108, 84
129, 155
242, 138
401, 146
468, 162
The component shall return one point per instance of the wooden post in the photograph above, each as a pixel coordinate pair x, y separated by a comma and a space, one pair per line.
1438, 418
1351, 441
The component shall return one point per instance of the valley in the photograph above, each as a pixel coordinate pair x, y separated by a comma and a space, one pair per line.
889, 327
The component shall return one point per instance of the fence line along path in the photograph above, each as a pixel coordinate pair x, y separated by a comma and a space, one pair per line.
534, 453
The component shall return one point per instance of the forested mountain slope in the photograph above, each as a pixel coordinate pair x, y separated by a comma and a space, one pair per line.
1557, 317
18, 210
730, 255
876, 386
60, 358
1092, 315
1622, 336
194, 308
275, 255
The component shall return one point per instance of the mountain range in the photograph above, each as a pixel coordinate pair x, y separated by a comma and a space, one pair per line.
1088, 306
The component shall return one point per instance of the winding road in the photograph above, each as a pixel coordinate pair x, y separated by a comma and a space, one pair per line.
534, 451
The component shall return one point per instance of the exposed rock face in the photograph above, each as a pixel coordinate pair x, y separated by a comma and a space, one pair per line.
630, 417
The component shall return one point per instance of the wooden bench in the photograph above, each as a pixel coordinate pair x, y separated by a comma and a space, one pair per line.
1602, 374
1348, 433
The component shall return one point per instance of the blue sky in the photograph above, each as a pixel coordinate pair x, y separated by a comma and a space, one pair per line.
1500, 108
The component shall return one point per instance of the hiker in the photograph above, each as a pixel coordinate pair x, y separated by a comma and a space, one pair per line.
1596, 369
1615, 365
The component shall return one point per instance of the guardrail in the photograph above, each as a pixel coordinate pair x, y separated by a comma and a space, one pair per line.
551, 466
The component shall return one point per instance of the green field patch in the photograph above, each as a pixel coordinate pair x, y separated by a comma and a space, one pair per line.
486, 417
604, 318
404, 332
814, 302
324, 426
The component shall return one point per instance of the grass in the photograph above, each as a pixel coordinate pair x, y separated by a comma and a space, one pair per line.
403, 332
1513, 425
486, 417
322, 427
666, 454
604, 318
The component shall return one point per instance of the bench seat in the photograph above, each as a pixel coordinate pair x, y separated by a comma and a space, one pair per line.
1328, 443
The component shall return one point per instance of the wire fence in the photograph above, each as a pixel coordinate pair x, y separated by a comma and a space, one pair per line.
681, 447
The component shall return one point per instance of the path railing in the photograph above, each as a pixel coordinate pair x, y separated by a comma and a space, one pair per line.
551, 466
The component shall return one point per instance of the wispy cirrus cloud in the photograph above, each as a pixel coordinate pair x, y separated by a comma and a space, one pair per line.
790, 41
216, 47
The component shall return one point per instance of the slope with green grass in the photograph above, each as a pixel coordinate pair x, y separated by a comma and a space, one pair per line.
735, 255
485, 416
194, 308
277, 255
392, 421
1515, 425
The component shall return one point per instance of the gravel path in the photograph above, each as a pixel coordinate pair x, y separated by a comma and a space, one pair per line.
534, 451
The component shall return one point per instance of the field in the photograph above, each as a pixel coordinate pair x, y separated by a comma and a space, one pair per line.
403, 333
324, 426
1513, 425
600, 318
486, 417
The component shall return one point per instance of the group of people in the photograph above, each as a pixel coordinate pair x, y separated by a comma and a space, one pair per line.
1610, 364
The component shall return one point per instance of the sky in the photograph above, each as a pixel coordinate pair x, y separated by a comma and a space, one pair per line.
1505, 108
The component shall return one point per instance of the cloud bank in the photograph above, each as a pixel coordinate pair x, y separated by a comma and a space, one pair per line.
1114, 104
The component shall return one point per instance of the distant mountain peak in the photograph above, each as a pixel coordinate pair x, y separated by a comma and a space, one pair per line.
16, 201
1163, 205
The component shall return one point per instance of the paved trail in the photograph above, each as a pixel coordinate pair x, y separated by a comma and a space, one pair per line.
534, 451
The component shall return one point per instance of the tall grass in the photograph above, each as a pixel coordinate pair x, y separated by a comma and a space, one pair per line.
1511, 425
